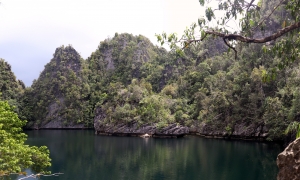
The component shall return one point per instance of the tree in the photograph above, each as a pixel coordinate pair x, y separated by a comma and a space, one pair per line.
15, 156
293, 128
253, 17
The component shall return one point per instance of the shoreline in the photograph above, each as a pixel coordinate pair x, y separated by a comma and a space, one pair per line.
166, 136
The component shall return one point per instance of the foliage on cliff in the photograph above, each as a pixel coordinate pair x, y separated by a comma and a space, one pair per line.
11, 88
138, 103
119, 59
60, 93
218, 90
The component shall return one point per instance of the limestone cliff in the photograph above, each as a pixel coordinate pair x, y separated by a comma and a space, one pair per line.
134, 129
288, 162
11, 89
57, 99
120, 58
239, 131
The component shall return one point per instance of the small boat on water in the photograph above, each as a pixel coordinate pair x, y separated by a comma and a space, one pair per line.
145, 136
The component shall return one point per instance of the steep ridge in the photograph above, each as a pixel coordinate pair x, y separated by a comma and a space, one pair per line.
58, 98
11, 89
119, 59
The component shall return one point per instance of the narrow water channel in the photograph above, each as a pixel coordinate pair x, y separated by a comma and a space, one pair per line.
80, 154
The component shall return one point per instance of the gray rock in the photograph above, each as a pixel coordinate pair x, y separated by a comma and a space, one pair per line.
239, 131
134, 129
288, 162
59, 124
251, 131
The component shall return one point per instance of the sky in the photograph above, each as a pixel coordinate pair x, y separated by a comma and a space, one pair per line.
31, 30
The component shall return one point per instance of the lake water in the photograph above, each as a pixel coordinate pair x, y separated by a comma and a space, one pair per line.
81, 155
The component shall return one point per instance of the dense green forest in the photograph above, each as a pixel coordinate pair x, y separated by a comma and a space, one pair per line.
128, 79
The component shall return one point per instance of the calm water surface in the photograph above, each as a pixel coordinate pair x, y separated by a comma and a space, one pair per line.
81, 155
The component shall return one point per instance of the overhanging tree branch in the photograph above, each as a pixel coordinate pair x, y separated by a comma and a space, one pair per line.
245, 39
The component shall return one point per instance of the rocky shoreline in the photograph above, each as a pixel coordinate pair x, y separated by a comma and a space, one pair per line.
134, 129
242, 131
251, 132
288, 162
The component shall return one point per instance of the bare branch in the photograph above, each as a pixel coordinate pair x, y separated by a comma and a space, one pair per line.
253, 40
38, 175
245, 39
231, 47
250, 4
260, 23
241, 38
188, 42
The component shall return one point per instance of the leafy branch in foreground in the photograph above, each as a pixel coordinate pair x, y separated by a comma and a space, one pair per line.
15, 156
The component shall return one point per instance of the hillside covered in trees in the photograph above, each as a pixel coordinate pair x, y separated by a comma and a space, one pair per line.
128, 79
129, 82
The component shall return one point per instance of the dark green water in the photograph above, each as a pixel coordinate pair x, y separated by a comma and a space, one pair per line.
81, 155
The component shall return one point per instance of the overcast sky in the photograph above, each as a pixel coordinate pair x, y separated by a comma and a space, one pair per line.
31, 30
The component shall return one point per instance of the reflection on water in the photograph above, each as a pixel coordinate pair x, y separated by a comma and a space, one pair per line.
82, 155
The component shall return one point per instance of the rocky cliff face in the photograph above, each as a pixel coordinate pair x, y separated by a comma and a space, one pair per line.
10, 87
175, 130
120, 58
133, 128
288, 162
57, 98
239, 131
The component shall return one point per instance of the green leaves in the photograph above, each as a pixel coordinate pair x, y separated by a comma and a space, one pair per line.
294, 127
15, 156
162, 37
201, 21
284, 24
251, 22
209, 14
201, 2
